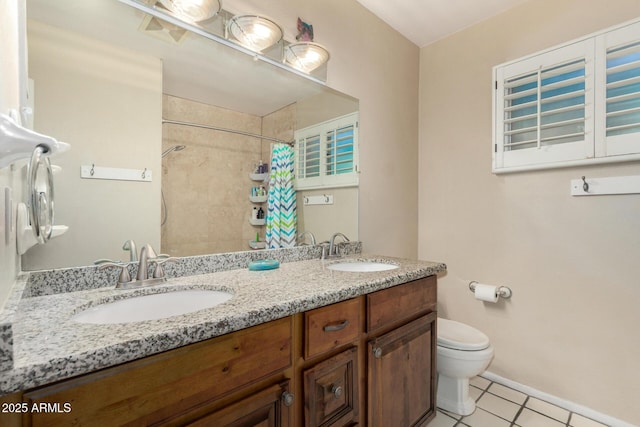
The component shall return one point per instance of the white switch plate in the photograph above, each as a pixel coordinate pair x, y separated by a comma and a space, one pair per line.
6, 216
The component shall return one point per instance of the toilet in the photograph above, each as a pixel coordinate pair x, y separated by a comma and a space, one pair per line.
463, 352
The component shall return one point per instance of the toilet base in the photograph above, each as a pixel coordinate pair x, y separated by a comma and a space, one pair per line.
453, 395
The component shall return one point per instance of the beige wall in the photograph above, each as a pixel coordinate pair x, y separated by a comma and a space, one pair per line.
325, 220
570, 328
107, 103
207, 185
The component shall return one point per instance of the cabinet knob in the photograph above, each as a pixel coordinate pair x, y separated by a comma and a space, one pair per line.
336, 390
377, 352
287, 398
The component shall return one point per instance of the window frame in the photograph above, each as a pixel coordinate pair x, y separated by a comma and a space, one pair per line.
325, 180
595, 147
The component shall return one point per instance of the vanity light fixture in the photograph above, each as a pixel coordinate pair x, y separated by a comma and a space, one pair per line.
294, 60
193, 10
254, 32
305, 56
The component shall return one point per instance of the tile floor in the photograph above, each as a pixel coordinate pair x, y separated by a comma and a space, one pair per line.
500, 406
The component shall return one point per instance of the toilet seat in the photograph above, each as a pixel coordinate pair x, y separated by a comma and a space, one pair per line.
458, 336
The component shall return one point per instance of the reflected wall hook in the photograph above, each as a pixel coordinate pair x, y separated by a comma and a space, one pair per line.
585, 185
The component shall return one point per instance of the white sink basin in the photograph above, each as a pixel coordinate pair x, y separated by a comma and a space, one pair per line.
152, 307
361, 266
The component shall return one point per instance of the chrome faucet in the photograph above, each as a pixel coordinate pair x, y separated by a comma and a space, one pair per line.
146, 253
130, 246
311, 237
333, 248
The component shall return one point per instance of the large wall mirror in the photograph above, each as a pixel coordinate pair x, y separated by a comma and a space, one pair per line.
105, 76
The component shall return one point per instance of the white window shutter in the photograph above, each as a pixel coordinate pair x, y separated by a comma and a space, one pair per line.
544, 108
619, 87
327, 154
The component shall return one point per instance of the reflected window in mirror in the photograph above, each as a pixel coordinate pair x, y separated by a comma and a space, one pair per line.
327, 154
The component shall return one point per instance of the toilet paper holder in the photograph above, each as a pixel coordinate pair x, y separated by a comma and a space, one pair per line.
501, 291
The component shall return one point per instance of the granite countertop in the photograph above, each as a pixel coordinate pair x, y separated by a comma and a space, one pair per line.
48, 346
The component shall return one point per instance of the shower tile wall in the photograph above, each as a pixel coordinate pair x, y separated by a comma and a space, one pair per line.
206, 186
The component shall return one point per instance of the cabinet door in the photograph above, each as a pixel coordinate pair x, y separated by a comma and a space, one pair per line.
331, 391
267, 408
402, 369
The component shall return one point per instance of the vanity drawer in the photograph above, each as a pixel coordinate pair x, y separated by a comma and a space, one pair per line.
329, 327
402, 302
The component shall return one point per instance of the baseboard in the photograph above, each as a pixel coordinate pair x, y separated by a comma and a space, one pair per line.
565, 404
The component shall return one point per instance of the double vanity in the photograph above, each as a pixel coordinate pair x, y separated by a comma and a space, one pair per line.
338, 342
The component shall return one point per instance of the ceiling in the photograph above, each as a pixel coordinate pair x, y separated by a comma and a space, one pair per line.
426, 21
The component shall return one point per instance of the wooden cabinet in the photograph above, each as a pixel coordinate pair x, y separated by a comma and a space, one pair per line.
401, 354
402, 375
169, 388
369, 360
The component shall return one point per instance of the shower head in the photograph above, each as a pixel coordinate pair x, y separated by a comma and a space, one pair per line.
170, 150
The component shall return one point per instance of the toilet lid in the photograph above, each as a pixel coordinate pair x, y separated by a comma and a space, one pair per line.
458, 336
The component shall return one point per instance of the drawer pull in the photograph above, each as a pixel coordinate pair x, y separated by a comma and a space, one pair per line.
336, 390
377, 352
336, 327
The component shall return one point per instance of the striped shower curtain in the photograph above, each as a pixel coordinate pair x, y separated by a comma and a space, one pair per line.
281, 213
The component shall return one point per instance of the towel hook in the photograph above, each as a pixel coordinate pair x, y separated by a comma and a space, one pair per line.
585, 185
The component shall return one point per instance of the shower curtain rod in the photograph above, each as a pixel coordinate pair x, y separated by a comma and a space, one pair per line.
239, 132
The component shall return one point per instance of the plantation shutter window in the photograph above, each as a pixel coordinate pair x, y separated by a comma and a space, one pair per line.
621, 90
308, 165
327, 154
340, 150
545, 105
575, 104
